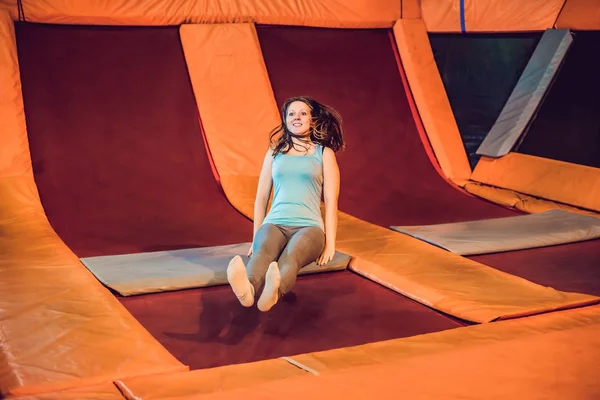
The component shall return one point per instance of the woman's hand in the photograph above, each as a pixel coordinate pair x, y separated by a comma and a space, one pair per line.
326, 255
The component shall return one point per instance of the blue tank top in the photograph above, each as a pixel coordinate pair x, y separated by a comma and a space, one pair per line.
298, 187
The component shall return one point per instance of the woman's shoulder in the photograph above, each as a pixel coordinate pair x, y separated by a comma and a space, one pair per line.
327, 151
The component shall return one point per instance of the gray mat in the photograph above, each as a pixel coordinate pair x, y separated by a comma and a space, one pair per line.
507, 234
160, 271
527, 94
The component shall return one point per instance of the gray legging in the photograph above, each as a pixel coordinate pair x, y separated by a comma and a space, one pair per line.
292, 248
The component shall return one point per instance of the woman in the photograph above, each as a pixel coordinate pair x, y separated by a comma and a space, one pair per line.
301, 166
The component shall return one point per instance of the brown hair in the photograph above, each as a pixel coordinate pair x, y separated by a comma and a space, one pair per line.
326, 127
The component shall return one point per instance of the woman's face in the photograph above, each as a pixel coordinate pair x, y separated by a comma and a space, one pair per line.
298, 118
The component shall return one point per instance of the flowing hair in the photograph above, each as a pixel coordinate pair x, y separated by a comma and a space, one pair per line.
326, 127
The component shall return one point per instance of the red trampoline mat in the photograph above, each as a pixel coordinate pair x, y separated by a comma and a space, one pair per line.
208, 327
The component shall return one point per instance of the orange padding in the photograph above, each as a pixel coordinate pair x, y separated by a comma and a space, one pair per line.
411, 9
14, 148
238, 141
221, 58
431, 100
580, 14
571, 184
558, 365
549, 356
520, 201
107, 391
228, 73
452, 339
491, 15
200, 382
442, 280
324, 13
59, 327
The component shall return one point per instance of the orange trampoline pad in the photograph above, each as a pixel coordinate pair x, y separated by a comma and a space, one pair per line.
206, 381
490, 15
14, 152
107, 391
579, 14
557, 366
572, 184
54, 305
326, 13
520, 201
430, 97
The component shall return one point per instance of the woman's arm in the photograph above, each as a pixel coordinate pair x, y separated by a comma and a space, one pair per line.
263, 193
331, 191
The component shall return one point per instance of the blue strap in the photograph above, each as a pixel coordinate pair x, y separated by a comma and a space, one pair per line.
462, 16
319, 152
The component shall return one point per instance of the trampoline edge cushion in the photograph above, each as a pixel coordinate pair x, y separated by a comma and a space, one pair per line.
506, 234
139, 273
528, 93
